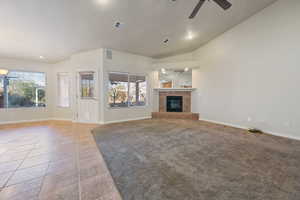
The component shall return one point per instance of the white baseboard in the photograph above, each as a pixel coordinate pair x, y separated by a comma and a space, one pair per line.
223, 123
73, 121
242, 127
23, 121
126, 120
282, 135
61, 119
80, 122
34, 120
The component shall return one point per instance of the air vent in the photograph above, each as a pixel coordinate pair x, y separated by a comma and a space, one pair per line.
108, 54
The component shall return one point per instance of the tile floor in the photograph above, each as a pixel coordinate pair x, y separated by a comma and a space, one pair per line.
52, 160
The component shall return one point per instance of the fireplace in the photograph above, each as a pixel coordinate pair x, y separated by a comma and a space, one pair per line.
174, 97
174, 104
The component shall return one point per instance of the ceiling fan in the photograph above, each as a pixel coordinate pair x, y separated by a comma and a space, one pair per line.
222, 3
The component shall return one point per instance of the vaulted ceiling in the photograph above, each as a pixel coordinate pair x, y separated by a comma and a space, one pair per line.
55, 29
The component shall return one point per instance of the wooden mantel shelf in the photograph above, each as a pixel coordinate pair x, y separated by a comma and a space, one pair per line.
175, 89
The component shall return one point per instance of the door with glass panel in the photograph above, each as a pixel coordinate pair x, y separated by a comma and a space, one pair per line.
87, 97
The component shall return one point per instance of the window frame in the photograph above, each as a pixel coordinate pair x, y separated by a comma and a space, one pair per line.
46, 90
146, 103
58, 89
80, 85
128, 89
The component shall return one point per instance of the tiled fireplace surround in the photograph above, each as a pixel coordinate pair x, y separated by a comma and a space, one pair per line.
186, 98
187, 104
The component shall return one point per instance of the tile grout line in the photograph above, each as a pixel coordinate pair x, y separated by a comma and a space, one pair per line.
78, 163
13, 172
43, 178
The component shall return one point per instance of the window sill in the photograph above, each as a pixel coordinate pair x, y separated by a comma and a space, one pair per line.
130, 107
63, 107
23, 108
88, 98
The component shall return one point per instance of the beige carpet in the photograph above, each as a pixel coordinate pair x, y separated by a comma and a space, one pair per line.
192, 160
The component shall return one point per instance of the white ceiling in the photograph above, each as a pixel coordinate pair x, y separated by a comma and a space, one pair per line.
56, 29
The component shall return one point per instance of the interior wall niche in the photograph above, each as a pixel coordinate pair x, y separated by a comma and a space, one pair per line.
175, 78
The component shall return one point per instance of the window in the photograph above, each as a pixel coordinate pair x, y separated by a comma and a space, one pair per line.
118, 90
87, 84
127, 90
137, 90
63, 90
1, 92
22, 89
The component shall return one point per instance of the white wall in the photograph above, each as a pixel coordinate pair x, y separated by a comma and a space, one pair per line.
8, 115
96, 60
249, 76
187, 57
90, 61
135, 64
56, 111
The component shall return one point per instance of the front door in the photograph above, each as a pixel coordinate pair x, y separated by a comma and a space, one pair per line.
87, 97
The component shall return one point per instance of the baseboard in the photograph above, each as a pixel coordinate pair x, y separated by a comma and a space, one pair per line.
80, 122
23, 121
73, 121
126, 120
281, 135
61, 119
245, 128
223, 123
34, 120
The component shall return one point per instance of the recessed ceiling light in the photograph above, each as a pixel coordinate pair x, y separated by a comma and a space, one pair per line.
163, 70
3, 72
42, 57
186, 69
190, 36
102, 2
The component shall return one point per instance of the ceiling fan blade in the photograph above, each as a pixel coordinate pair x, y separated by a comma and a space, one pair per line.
223, 3
196, 9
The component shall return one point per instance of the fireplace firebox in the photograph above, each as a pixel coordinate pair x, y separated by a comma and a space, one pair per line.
174, 104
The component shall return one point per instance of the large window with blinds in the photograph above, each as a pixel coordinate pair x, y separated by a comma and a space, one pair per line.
126, 90
19, 89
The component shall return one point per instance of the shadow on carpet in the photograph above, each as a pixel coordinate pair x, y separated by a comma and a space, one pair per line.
191, 160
